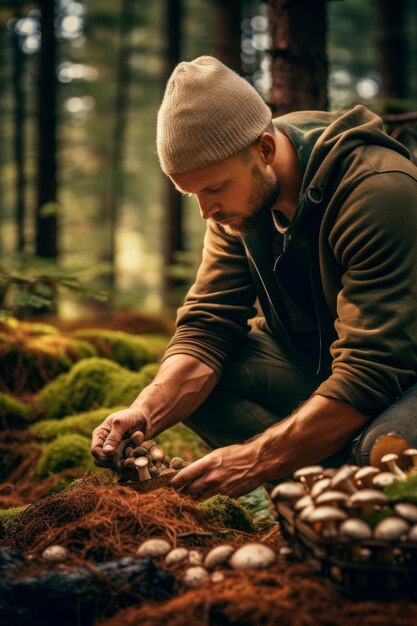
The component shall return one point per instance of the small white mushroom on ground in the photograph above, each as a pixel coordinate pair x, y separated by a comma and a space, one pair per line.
55, 553
141, 464
407, 511
217, 556
391, 529
383, 479
365, 475
195, 576
390, 461
328, 518
367, 501
252, 556
289, 492
153, 548
355, 529
195, 557
411, 454
332, 498
343, 479
286, 552
217, 577
308, 475
176, 556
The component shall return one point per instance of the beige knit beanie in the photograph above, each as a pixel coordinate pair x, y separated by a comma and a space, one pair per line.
208, 114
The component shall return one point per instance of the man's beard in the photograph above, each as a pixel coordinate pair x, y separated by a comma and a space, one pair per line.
264, 195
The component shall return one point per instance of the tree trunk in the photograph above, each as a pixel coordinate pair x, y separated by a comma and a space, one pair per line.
46, 210
19, 136
390, 40
174, 238
227, 32
119, 139
298, 54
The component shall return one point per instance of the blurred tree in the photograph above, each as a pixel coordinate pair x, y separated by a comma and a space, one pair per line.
298, 53
391, 52
228, 32
47, 209
19, 129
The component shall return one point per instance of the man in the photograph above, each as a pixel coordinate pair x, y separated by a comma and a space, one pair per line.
315, 215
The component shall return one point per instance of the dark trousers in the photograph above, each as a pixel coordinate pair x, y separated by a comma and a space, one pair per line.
265, 381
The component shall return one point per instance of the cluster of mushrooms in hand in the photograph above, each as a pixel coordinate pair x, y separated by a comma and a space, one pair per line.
136, 459
338, 505
200, 568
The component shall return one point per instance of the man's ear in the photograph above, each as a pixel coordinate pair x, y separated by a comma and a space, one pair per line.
267, 147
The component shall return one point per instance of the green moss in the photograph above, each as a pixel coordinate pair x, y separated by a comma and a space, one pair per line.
28, 363
13, 414
64, 452
227, 513
38, 329
403, 491
81, 424
89, 384
183, 442
131, 351
9, 519
156, 344
376, 517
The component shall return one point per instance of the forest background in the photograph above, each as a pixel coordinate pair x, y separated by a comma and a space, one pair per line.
83, 203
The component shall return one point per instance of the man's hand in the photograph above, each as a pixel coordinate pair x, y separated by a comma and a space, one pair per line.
109, 434
233, 471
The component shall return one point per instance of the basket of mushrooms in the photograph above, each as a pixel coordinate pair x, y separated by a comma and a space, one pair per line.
357, 525
142, 465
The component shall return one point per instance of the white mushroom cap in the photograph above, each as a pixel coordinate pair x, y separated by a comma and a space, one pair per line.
412, 535
141, 461
355, 529
195, 576
303, 502
176, 556
411, 453
332, 498
195, 557
217, 556
217, 577
364, 475
154, 548
391, 529
326, 514
391, 461
383, 479
407, 511
343, 479
366, 497
252, 556
305, 513
55, 553
308, 474
321, 485
288, 491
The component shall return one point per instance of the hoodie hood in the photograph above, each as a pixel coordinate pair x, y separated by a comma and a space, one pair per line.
322, 139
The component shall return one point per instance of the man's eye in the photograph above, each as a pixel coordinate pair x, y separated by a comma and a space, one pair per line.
215, 189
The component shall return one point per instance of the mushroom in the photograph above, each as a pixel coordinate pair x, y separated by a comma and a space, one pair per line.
355, 529
411, 454
391, 529
137, 438
128, 451
157, 453
390, 460
321, 485
55, 553
407, 511
195, 576
176, 556
286, 552
217, 577
383, 479
365, 475
327, 517
412, 535
305, 513
149, 444
343, 479
252, 556
367, 500
139, 451
332, 498
141, 464
154, 548
129, 463
308, 475
195, 557
217, 556
303, 502
389, 443
289, 491
177, 463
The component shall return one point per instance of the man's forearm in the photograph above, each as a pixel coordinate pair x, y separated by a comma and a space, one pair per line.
319, 428
181, 385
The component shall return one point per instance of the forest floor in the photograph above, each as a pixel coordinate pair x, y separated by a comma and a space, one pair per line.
58, 382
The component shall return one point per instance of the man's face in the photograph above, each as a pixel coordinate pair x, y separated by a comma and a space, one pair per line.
234, 193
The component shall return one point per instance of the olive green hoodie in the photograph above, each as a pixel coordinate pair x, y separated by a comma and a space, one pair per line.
357, 217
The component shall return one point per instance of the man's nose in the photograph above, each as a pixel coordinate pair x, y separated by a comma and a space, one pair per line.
207, 208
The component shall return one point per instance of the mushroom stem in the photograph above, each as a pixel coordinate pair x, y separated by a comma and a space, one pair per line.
141, 464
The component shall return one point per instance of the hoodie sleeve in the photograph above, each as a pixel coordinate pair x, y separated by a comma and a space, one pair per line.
374, 238
214, 316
